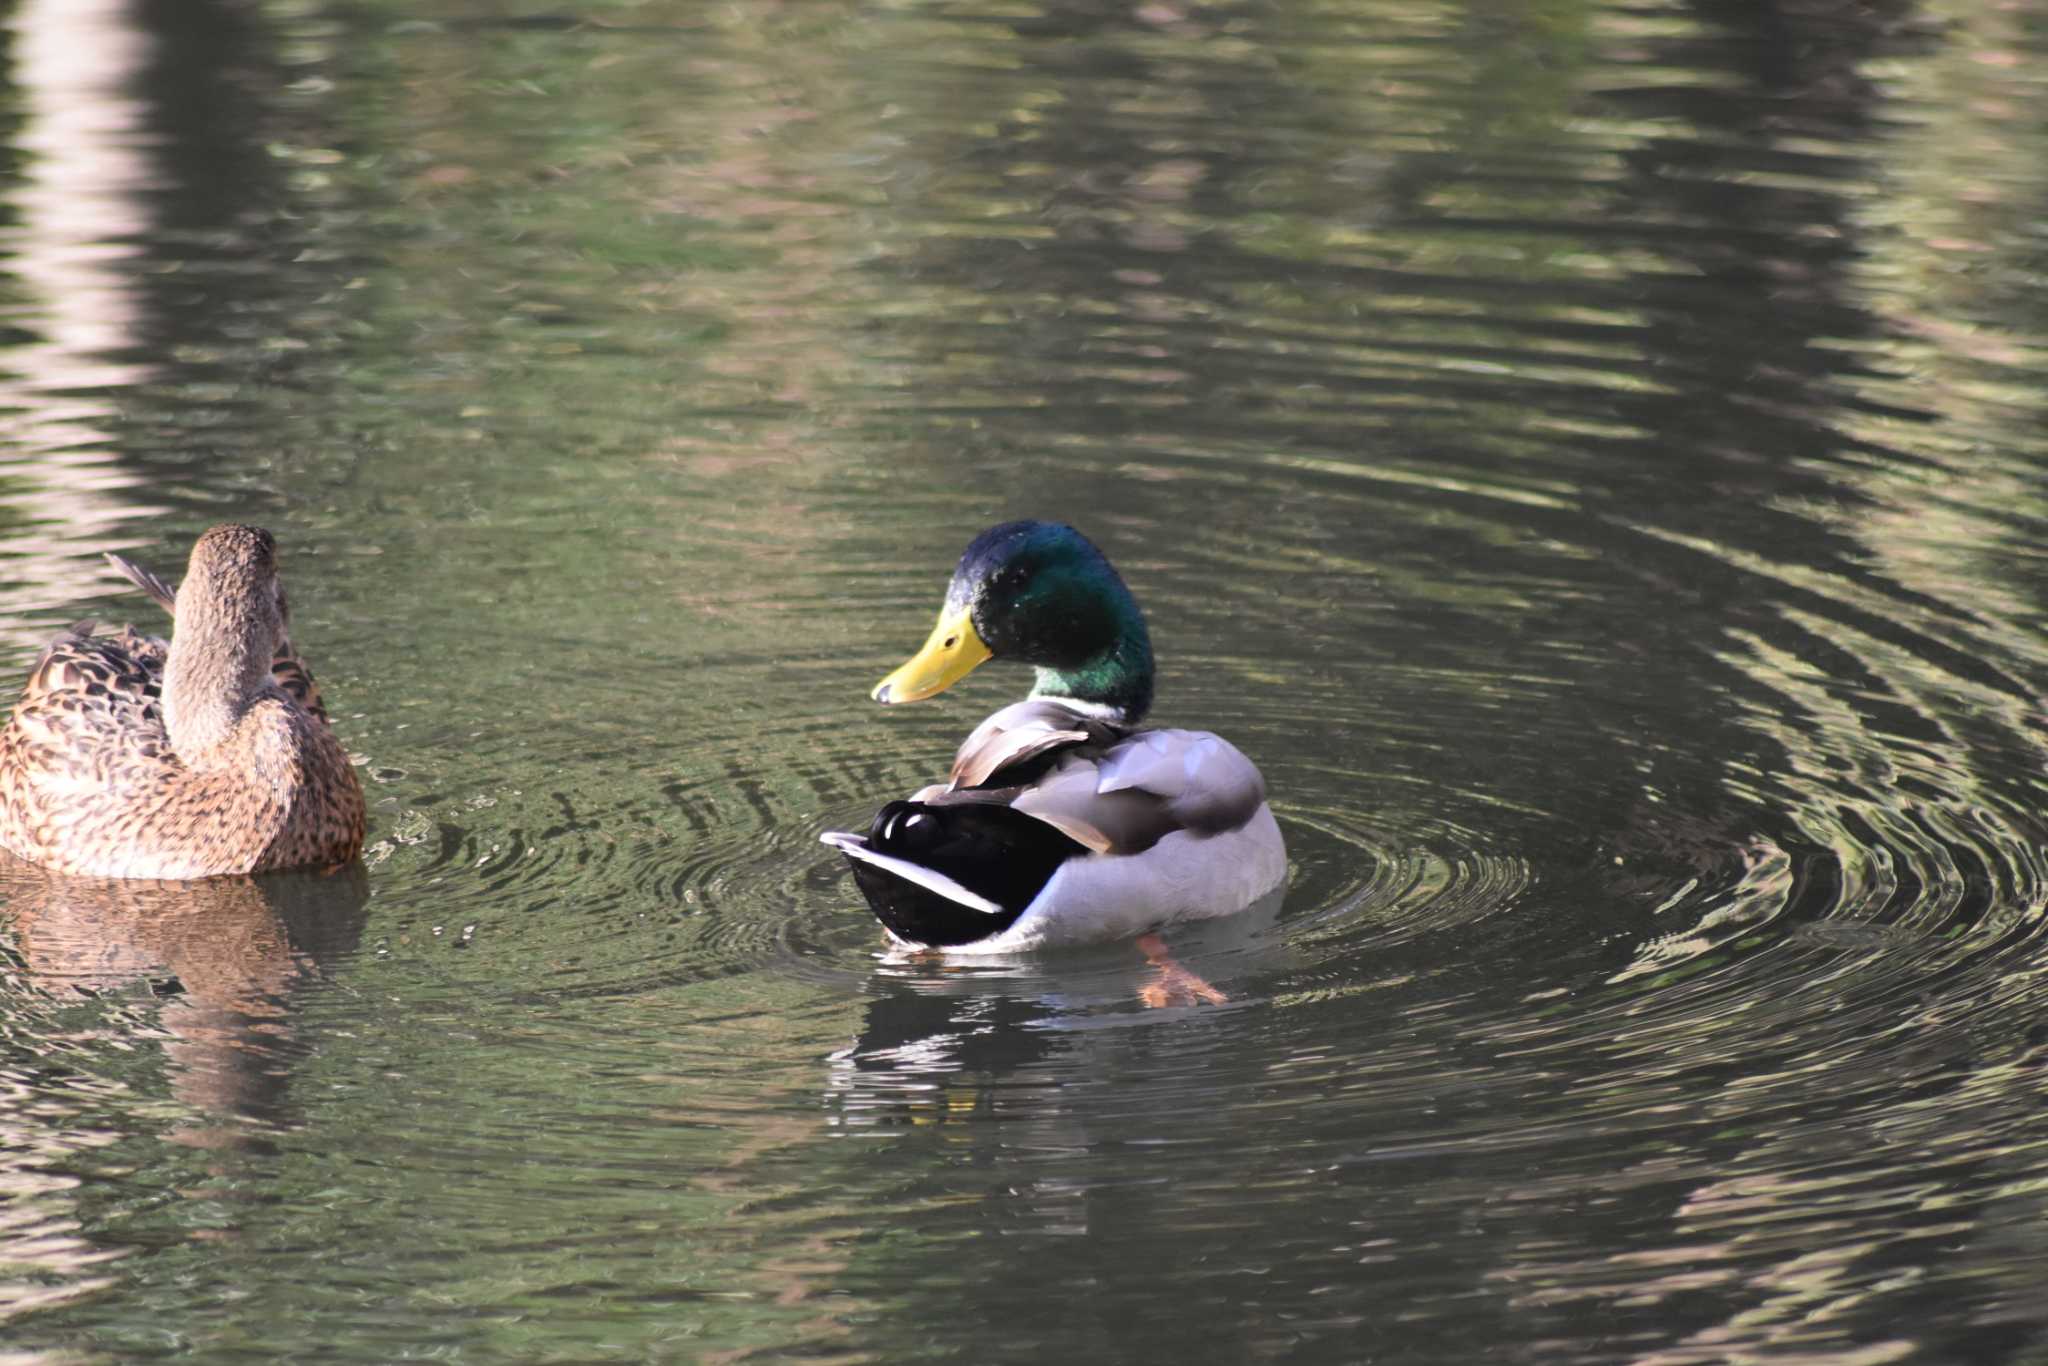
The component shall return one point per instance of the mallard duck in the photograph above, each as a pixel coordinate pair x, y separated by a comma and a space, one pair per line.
127, 757
1061, 820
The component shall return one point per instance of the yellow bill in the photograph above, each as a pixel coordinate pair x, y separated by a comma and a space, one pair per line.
951, 654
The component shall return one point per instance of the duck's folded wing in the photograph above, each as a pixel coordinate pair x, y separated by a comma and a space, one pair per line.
291, 674
72, 662
1204, 780
1070, 800
1125, 798
87, 699
1017, 734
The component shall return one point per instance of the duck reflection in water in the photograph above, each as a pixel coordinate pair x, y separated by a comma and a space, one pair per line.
946, 1039
211, 967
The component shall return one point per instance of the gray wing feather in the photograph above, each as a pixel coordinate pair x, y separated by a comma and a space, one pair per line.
1205, 781
161, 593
1069, 800
1115, 794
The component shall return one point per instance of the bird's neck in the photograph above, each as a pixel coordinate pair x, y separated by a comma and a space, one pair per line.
214, 673
1114, 685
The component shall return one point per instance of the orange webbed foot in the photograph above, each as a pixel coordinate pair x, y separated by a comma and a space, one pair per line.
1173, 985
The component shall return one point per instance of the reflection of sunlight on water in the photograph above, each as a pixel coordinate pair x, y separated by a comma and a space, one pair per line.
76, 213
79, 212
48, 1261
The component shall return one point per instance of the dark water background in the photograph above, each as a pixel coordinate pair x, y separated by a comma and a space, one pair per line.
1592, 457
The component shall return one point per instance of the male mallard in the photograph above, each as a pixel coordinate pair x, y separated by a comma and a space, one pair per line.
129, 758
1061, 821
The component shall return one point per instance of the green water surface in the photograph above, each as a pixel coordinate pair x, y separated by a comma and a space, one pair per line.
1591, 456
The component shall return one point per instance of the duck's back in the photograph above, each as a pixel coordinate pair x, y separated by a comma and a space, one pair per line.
89, 782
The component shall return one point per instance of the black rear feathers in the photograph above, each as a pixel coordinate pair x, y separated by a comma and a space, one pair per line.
992, 851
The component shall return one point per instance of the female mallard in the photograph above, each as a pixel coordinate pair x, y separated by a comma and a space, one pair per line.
1061, 821
128, 758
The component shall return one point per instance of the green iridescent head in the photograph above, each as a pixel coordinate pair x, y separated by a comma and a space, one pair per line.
1042, 594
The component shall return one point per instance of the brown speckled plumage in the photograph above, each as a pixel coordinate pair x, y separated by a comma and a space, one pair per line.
127, 757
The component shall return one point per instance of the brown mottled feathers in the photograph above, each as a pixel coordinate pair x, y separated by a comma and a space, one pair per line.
90, 782
1114, 791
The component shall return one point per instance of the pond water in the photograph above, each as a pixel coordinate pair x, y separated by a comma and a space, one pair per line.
1590, 455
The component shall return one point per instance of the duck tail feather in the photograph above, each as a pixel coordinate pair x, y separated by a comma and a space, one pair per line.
161, 593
